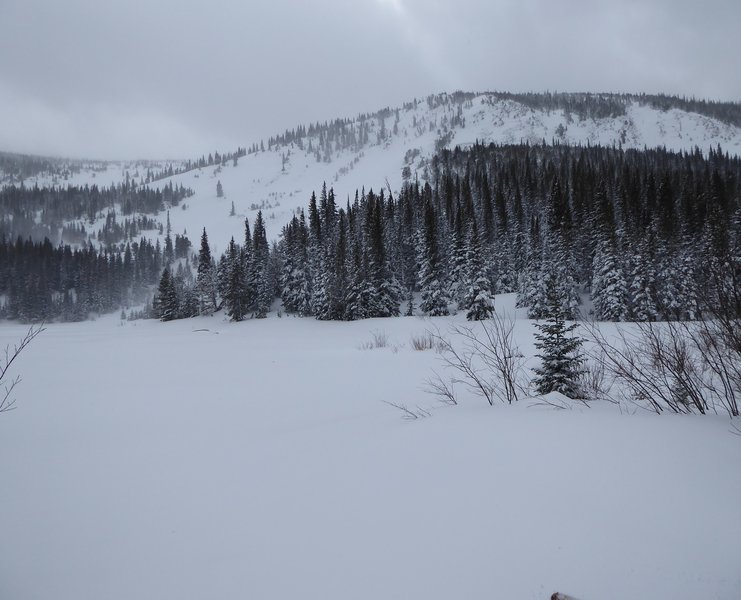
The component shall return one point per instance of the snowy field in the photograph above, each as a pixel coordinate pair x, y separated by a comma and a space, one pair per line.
205, 459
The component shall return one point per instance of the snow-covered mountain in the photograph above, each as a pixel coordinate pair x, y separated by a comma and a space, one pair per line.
382, 149
377, 148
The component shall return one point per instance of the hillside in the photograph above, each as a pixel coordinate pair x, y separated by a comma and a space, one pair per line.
393, 139
373, 151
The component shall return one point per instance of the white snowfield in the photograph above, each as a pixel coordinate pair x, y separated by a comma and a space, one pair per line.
205, 459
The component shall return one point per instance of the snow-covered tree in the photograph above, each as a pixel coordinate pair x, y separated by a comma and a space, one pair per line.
478, 300
435, 298
561, 360
166, 303
206, 278
609, 288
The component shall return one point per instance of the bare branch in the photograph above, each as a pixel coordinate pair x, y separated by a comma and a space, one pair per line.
444, 389
7, 402
408, 413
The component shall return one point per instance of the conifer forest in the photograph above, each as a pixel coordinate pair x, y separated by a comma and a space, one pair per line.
644, 235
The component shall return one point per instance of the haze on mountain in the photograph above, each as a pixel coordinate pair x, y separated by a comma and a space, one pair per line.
128, 79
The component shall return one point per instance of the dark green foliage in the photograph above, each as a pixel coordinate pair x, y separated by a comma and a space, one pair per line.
44, 282
206, 278
478, 301
166, 304
67, 210
560, 370
233, 282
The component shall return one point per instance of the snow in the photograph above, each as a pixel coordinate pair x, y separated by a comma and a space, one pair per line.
207, 459
260, 180
101, 173
260, 177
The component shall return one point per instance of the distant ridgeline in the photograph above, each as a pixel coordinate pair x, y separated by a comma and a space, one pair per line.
648, 234
342, 134
15, 168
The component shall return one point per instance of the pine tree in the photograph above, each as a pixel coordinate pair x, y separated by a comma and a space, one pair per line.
295, 276
257, 276
478, 300
383, 289
609, 288
234, 284
560, 370
166, 303
219, 190
434, 293
642, 290
206, 278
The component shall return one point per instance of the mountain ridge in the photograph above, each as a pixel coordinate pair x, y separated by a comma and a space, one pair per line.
393, 145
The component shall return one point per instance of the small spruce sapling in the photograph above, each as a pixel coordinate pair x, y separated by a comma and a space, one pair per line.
561, 366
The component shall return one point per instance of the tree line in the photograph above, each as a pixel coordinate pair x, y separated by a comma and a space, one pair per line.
640, 235
646, 235
42, 282
45, 212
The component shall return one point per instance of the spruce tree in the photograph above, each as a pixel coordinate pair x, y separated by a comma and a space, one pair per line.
259, 288
478, 300
434, 293
166, 303
206, 278
234, 284
560, 369
609, 288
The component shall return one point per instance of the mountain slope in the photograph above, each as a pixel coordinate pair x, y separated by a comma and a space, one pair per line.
376, 149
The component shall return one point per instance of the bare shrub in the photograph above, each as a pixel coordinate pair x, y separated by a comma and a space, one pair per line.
379, 339
718, 341
488, 362
630, 361
682, 367
422, 342
595, 381
7, 402
409, 414
442, 388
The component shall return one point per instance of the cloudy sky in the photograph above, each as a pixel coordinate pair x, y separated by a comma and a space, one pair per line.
177, 78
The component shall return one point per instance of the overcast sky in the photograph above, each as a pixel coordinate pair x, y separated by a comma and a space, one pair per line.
177, 78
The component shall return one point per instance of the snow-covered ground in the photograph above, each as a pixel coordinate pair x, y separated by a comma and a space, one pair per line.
206, 459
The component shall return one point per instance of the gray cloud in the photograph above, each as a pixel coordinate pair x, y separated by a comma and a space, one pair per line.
131, 78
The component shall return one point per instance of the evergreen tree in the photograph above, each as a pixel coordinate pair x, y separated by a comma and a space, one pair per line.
478, 300
166, 305
560, 370
609, 288
642, 302
435, 297
257, 277
234, 282
206, 278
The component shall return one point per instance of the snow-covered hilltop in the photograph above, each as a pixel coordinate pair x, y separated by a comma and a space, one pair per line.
382, 149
